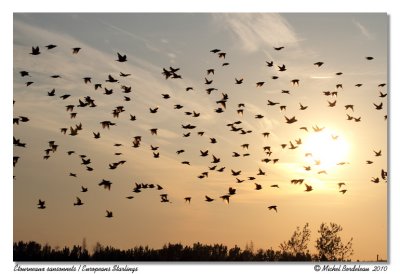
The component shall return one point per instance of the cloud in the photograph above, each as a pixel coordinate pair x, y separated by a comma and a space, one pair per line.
255, 30
363, 30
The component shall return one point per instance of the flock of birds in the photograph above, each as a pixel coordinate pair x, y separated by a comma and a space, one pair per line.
112, 83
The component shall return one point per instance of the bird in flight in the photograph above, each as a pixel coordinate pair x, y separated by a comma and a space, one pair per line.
382, 95
109, 214
238, 81
121, 58
303, 107
41, 204
75, 50
308, 188
290, 120
375, 180
24, 73
51, 46
225, 198
282, 68
331, 104
78, 202
106, 184
208, 199
378, 153
35, 51
317, 128
295, 82
378, 107
274, 207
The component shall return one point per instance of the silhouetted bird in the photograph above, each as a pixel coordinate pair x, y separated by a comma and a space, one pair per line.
35, 51
51, 46
308, 188
106, 184
235, 173
153, 110
261, 172
303, 107
78, 202
317, 128
282, 68
238, 81
225, 198
121, 58
75, 50
41, 204
378, 153
291, 120
274, 207
331, 104
52, 92
295, 82
378, 107
375, 180
124, 74
24, 73
111, 79
270, 103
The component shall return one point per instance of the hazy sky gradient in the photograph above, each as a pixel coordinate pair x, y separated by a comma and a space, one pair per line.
154, 41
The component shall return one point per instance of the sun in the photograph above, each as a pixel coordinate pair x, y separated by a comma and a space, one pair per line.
325, 149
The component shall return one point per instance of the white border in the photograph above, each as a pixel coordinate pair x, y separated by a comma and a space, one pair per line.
7, 264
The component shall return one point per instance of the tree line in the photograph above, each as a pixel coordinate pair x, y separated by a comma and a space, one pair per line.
329, 247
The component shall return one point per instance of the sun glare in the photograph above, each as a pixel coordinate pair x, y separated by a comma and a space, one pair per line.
325, 149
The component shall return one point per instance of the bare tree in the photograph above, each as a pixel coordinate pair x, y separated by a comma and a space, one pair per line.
297, 245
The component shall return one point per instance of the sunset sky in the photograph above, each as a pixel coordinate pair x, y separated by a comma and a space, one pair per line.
151, 42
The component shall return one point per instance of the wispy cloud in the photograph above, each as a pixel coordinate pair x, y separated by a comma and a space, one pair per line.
364, 30
255, 30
